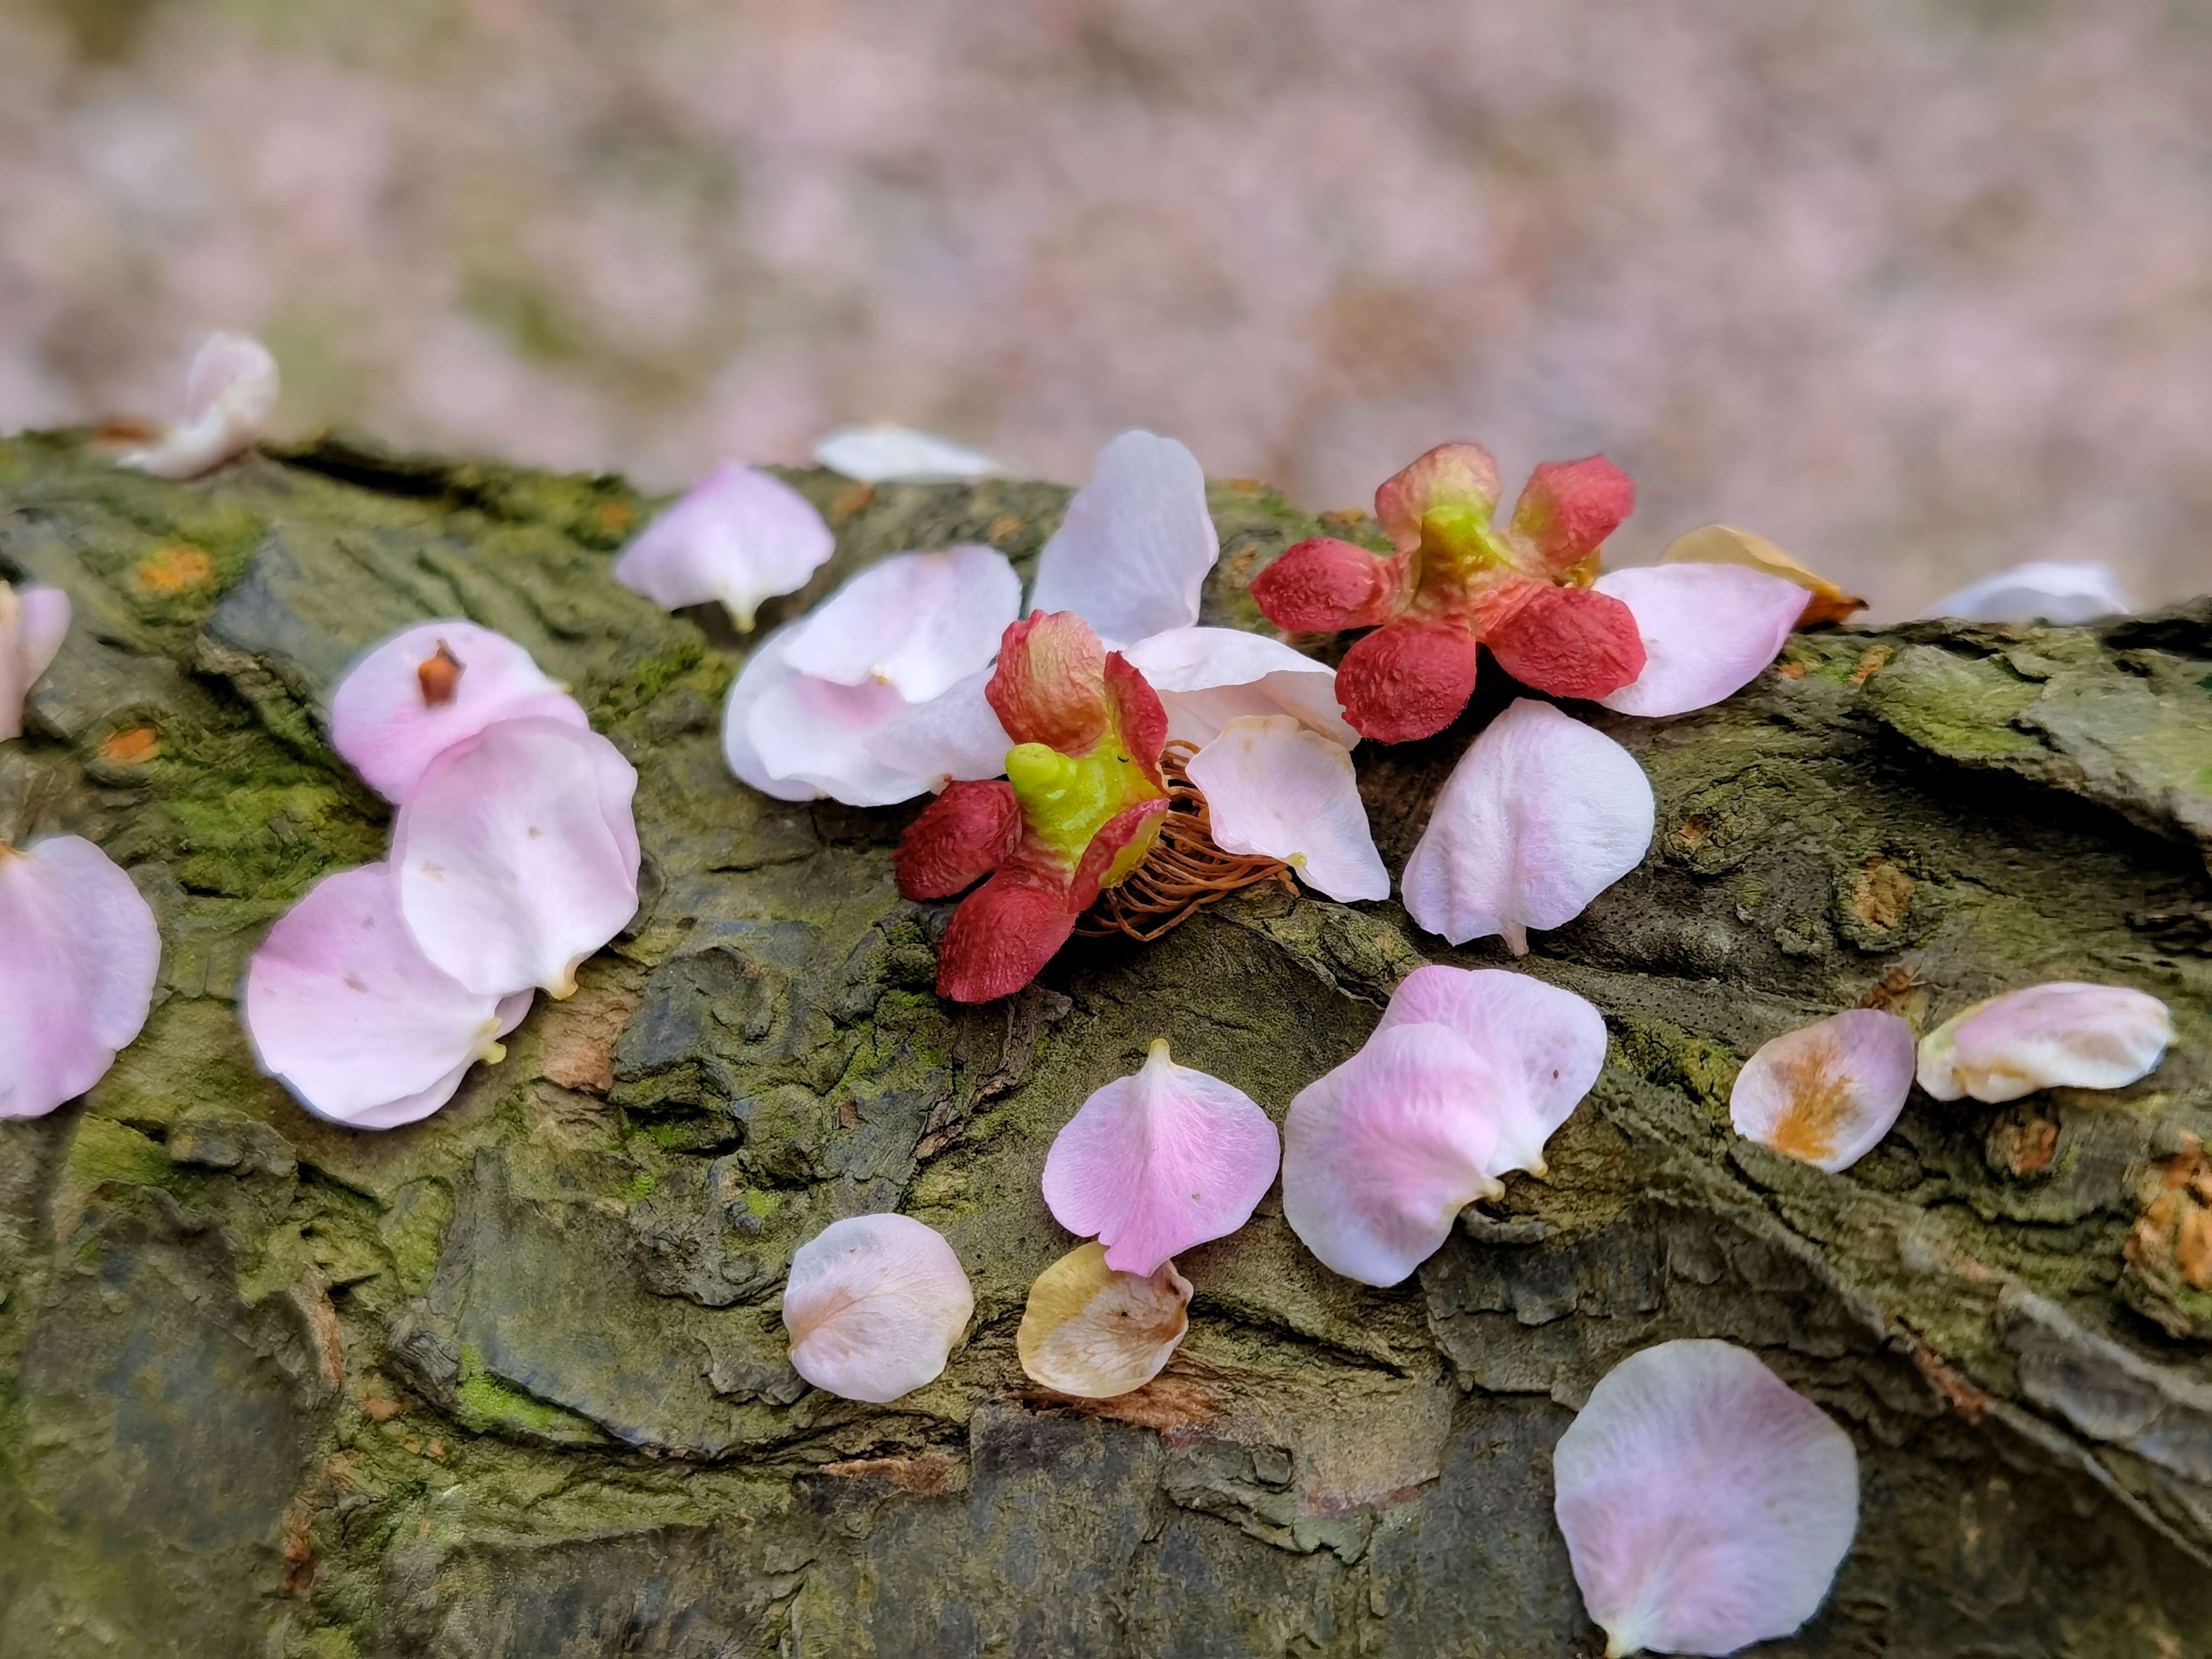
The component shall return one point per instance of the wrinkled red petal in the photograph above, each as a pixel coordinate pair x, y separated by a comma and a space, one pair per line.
1450, 475
1568, 507
1138, 713
1408, 680
1106, 846
1324, 585
1001, 937
1050, 684
965, 834
1569, 642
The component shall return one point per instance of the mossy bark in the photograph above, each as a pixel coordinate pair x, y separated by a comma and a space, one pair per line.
511, 1383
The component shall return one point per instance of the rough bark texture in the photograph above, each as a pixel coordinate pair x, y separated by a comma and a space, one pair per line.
511, 1382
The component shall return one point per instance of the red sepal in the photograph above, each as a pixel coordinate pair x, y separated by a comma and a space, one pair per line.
1408, 680
1568, 641
1137, 715
1567, 508
1050, 684
1001, 937
962, 836
1324, 585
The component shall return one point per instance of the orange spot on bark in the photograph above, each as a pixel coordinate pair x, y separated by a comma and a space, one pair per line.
1818, 1087
853, 498
1001, 528
132, 745
922, 1474
1881, 893
1876, 658
177, 569
617, 515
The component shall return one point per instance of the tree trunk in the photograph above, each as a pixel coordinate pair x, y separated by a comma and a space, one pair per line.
511, 1382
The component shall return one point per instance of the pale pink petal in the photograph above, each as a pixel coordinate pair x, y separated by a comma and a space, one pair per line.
512, 869
2062, 1035
230, 392
874, 1305
1554, 1040
737, 537
1207, 677
1541, 815
765, 672
918, 623
1283, 791
882, 452
345, 1010
428, 688
2045, 590
1132, 554
1092, 1333
1381, 1155
1159, 1161
413, 1108
1706, 1503
953, 738
815, 734
1708, 629
1827, 1093
33, 621
79, 953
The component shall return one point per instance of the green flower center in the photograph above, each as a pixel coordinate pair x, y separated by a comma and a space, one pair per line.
1066, 799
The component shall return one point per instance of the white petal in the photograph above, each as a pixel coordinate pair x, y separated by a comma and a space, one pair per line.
2045, 590
874, 1304
1827, 1093
230, 392
956, 736
815, 734
1132, 554
33, 621
1283, 791
1541, 815
918, 623
739, 537
881, 453
413, 1108
1207, 677
1091, 1333
765, 672
2062, 1034
1706, 1504
1708, 631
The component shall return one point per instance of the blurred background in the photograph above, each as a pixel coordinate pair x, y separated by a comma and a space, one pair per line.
1917, 288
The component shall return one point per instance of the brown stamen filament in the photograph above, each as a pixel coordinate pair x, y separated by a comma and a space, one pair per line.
1184, 872
440, 675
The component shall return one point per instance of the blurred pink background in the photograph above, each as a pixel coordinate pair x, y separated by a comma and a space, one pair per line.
1917, 290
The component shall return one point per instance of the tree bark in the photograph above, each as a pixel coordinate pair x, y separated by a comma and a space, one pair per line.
511, 1382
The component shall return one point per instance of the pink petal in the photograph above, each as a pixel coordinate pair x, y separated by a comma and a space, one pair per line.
1091, 1333
230, 392
874, 1305
79, 953
1541, 816
817, 736
1381, 1155
514, 862
1709, 629
428, 688
1551, 1039
918, 623
33, 621
2056, 591
1283, 791
2062, 1034
953, 738
882, 452
1706, 1504
1134, 549
413, 1108
1208, 677
345, 1010
739, 537
1161, 1160
765, 672
1828, 1092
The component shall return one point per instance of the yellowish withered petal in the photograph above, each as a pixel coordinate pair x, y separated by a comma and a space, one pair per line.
2064, 1034
1722, 544
1093, 1333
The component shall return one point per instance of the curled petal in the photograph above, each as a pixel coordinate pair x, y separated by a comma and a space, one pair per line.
1133, 552
1407, 680
1550, 1039
918, 623
1324, 585
1276, 788
1460, 478
1001, 937
1050, 684
1381, 1155
1706, 1503
766, 671
1708, 631
2055, 590
1827, 1094
230, 392
1567, 508
79, 953
1722, 544
881, 453
428, 688
2062, 1035
737, 538
1207, 677
1159, 1161
875, 1305
33, 621
413, 1108
1568, 641
516, 856
956, 736
1541, 815
961, 837
1091, 1333
797, 738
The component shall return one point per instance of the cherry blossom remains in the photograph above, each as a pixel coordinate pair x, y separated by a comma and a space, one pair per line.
230, 392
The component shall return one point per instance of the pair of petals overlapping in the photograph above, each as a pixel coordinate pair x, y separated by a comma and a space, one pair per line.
515, 856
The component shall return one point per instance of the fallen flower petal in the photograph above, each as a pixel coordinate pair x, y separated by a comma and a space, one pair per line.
874, 1305
1541, 815
1706, 1503
1381, 1155
413, 1108
766, 671
1827, 1093
1708, 631
1722, 544
954, 736
918, 623
814, 736
2051, 590
737, 537
1092, 1333
1277, 788
962, 836
1207, 677
1132, 551
79, 954
1159, 1161
2062, 1035
428, 688
516, 856
32, 623
882, 453
230, 392
1407, 680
